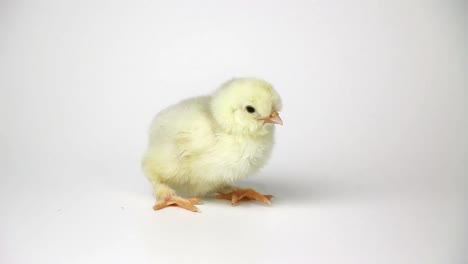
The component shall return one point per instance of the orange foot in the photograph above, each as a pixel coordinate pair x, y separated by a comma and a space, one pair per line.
245, 195
188, 204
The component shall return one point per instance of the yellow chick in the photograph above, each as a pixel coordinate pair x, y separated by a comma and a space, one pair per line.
203, 145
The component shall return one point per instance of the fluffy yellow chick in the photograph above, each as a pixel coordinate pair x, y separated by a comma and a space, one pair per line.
203, 145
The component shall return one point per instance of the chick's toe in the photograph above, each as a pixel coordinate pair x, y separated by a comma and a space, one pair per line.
245, 195
188, 204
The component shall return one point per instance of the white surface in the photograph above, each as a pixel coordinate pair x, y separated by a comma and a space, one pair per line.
370, 166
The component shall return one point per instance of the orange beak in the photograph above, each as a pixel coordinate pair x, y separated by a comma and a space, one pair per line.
274, 118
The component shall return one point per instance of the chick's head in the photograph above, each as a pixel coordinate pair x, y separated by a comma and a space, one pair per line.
246, 106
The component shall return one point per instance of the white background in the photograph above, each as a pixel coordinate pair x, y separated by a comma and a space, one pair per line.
370, 166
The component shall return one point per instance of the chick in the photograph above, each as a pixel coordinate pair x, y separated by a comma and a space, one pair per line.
203, 145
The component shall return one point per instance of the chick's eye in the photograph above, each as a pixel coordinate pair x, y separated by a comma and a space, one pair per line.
250, 109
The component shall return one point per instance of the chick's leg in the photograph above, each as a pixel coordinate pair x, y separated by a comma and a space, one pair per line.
167, 197
235, 195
